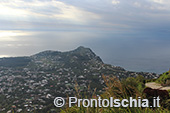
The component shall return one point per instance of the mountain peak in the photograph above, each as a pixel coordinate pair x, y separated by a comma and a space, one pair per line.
82, 47
83, 50
86, 52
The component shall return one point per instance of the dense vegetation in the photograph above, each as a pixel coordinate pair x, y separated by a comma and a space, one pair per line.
14, 61
130, 87
164, 79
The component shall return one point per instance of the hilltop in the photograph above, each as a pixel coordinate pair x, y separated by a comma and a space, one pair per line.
33, 81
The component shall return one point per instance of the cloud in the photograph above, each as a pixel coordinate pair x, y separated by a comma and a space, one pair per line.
44, 10
10, 35
159, 1
1, 56
96, 16
115, 2
160, 5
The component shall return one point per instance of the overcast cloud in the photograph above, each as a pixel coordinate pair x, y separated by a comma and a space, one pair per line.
131, 33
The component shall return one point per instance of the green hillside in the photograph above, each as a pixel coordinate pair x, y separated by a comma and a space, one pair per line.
164, 79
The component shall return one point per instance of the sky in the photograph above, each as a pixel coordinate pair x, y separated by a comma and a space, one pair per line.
133, 34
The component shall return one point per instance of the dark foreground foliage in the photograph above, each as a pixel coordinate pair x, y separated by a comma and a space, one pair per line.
130, 87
